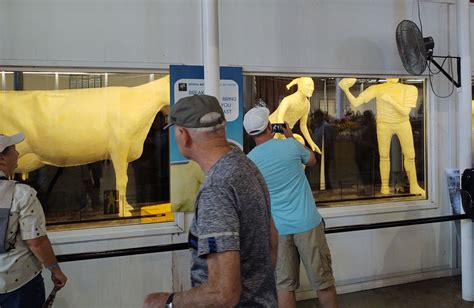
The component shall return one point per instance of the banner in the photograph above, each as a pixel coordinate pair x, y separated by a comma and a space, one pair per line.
186, 176
453, 179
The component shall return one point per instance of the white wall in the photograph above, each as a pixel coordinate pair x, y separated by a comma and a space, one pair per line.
471, 16
338, 36
106, 33
308, 36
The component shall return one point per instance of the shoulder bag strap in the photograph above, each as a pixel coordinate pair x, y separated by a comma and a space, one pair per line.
7, 188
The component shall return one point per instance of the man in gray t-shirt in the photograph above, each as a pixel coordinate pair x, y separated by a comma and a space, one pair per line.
232, 238
233, 213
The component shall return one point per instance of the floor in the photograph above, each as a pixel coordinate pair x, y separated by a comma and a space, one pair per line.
439, 293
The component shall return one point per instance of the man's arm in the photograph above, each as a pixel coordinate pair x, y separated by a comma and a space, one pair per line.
289, 134
222, 289
312, 158
41, 248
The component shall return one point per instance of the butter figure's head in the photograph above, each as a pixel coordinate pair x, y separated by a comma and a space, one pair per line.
305, 85
393, 80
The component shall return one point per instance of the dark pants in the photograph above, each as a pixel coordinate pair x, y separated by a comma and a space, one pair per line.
31, 295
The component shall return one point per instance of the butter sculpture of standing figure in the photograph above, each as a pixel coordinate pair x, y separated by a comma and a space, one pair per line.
294, 108
394, 102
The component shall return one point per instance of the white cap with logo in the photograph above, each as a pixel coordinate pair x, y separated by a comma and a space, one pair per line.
6, 141
256, 120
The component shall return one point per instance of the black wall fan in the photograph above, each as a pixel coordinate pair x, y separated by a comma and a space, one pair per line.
416, 51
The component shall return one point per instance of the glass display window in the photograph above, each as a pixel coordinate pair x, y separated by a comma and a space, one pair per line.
371, 132
80, 191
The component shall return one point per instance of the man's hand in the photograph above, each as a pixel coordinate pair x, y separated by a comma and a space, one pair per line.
287, 131
58, 278
153, 300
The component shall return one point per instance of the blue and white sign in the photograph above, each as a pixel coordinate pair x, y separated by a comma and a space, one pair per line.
188, 80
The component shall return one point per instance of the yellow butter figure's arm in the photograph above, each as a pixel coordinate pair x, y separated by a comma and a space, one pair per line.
307, 136
345, 84
404, 111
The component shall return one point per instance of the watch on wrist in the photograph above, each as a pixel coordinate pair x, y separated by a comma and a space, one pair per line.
52, 266
169, 301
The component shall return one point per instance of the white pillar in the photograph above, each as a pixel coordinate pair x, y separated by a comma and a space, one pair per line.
210, 46
4, 84
56, 81
339, 101
464, 127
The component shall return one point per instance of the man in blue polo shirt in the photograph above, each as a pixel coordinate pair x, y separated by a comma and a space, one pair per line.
281, 162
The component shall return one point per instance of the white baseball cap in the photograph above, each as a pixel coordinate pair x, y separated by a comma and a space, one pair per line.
256, 120
6, 141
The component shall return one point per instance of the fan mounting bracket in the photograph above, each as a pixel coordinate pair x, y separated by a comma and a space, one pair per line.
443, 71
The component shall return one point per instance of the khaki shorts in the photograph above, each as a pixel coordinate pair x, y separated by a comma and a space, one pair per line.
311, 247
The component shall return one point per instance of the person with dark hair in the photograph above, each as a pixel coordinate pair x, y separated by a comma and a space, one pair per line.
367, 152
24, 246
324, 137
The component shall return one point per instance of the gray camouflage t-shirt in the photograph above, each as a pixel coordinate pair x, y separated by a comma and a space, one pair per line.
233, 213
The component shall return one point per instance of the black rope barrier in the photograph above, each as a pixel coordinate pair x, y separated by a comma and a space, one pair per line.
183, 246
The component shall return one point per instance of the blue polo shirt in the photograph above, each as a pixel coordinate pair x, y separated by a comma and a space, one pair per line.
292, 203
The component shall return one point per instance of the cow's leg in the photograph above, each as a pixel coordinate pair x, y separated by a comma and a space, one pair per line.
119, 159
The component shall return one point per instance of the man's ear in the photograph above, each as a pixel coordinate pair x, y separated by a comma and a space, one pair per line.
269, 126
185, 136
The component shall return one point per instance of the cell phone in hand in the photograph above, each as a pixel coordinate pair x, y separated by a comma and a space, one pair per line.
278, 127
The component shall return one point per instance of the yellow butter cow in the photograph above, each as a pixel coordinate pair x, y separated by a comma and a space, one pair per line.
66, 128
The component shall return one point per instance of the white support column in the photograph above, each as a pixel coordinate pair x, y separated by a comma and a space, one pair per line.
4, 83
339, 101
56, 81
464, 128
210, 46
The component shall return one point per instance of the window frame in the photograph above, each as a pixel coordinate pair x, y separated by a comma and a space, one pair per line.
430, 159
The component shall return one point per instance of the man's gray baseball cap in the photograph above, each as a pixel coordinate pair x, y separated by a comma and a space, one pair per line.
196, 111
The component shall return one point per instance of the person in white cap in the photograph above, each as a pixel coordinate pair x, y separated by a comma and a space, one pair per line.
294, 212
25, 247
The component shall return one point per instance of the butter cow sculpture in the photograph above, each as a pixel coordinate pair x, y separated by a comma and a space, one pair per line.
66, 128
294, 108
394, 102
